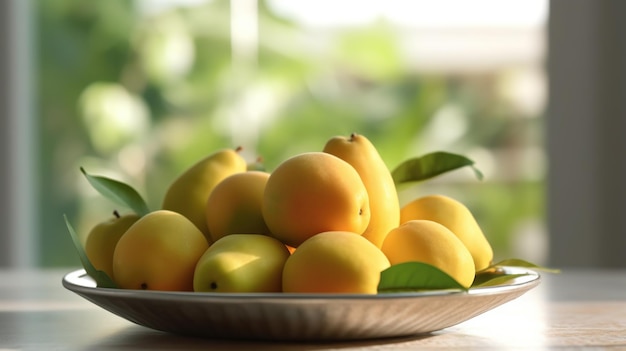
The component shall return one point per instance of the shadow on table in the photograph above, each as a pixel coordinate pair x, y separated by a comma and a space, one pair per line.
137, 337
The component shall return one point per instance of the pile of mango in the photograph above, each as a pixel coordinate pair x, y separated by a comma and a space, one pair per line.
326, 221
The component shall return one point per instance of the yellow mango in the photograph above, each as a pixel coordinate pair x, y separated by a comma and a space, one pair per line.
234, 206
334, 262
158, 252
455, 216
432, 243
361, 154
314, 192
188, 194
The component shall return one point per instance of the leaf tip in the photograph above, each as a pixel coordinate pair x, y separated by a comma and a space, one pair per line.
478, 173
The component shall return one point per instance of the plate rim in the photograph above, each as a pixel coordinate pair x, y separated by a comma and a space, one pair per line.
78, 281
299, 317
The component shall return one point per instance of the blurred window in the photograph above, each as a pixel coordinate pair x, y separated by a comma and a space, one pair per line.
138, 90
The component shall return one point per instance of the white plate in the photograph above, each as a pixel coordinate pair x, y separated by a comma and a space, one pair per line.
280, 316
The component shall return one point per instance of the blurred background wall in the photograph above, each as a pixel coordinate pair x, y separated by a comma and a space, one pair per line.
138, 90
586, 122
19, 218
4, 127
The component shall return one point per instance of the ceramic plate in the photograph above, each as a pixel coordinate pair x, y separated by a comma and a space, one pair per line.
299, 316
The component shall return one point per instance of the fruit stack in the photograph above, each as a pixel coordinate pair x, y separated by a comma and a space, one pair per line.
326, 221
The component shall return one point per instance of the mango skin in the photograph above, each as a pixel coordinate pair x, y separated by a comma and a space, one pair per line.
432, 243
455, 216
103, 238
159, 252
234, 205
189, 192
361, 154
244, 263
334, 262
314, 192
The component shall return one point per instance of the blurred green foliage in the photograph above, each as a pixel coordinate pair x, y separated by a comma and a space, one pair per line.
140, 97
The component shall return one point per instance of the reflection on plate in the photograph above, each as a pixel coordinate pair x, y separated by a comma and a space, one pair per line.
299, 316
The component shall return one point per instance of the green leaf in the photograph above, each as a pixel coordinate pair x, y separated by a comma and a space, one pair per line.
101, 278
494, 278
516, 262
431, 165
412, 276
118, 192
496, 274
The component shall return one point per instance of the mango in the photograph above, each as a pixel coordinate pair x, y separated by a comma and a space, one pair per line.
243, 263
188, 194
314, 192
234, 206
334, 262
103, 238
455, 216
361, 154
432, 243
159, 252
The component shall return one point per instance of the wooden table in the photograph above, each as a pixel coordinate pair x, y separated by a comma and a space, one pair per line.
584, 309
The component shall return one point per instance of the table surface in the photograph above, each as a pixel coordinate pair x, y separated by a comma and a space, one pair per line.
583, 309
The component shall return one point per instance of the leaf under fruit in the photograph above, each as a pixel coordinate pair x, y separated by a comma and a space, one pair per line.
495, 274
101, 278
431, 165
118, 192
415, 276
419, 276
517, 262
495, 278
